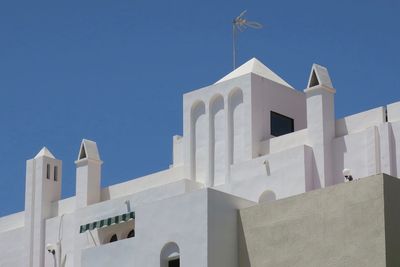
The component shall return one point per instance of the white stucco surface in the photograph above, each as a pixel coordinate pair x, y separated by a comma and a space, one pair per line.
202, 223
360, 121
12, 221
393, 112
12, 249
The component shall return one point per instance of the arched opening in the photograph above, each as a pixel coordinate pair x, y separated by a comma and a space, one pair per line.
113, 238
199, 142
267, 196
131, 233
217, 135
236, 125
170, 256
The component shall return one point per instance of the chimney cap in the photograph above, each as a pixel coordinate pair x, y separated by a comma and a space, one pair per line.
88, 150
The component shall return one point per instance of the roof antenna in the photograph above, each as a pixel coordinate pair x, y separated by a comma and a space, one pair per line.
240, 23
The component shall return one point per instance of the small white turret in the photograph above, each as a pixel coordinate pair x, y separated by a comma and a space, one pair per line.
43, 186
88, 174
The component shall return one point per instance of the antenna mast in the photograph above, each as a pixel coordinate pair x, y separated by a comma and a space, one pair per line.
240, 23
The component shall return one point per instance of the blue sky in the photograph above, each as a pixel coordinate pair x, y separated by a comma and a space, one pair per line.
115, 71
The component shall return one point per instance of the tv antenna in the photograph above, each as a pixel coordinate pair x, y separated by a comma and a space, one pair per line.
240, 24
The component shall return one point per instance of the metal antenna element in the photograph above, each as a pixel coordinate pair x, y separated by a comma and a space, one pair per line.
240, 24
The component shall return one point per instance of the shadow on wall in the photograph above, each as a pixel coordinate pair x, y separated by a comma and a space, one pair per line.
316, 180
236, 124
105, 194
198, 140
217, 140
392, 147
244, 260
339, 150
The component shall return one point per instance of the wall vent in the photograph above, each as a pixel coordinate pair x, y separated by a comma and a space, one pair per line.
82, 154
319, 75
314, 80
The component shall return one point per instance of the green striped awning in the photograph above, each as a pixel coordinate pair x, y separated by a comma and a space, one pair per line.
107, 222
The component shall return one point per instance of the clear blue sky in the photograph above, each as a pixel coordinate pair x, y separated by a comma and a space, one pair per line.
115, 72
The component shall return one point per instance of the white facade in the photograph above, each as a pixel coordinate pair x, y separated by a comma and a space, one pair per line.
227, 159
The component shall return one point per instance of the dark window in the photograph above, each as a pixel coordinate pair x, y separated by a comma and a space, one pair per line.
48, 171
113, 238
55, 173
281, 124
131, 233
173, 263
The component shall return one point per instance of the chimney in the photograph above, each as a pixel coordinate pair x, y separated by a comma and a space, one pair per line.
88, 174
43, 187
321, 123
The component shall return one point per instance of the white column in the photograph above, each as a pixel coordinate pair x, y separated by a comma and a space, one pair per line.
228, 138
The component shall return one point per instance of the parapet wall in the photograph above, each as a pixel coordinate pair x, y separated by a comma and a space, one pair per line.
350, 224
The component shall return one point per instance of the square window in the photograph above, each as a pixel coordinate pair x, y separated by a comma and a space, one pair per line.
280, 124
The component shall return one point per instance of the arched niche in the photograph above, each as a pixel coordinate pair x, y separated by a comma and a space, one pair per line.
267, 196
199, 142
113, 238
131, 234
170, 255
236, 125
218, 140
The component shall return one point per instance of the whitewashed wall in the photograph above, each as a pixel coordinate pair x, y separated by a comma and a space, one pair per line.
217, 131
203, 224
12, 249
269, 96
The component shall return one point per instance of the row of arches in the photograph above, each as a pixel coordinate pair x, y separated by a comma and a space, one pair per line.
113, 237
216, 136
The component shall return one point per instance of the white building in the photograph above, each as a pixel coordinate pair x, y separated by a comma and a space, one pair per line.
248, 138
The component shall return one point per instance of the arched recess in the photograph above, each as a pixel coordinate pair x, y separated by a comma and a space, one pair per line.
199, 144
131, 234
218, 140
267, 196
114, 238
236, 125
170, 255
